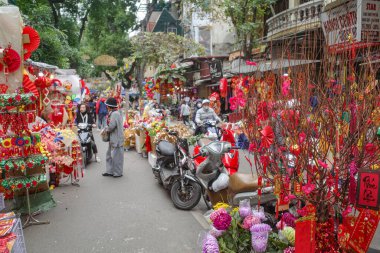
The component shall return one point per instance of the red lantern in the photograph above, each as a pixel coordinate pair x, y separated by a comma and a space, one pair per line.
223, 87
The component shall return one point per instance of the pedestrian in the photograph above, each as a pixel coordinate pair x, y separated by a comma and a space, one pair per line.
115, 152
92, 108
185, 113
102, 114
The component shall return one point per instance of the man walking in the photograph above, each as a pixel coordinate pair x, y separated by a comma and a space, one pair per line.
102, 114
185, 113
115, 152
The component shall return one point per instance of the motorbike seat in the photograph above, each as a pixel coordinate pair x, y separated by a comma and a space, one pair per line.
240, 182
166, 148
203, 142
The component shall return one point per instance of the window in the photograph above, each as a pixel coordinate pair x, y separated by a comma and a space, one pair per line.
172, 30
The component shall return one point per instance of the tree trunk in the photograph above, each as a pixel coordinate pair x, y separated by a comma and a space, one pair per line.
140, 69
83, 25
54, 13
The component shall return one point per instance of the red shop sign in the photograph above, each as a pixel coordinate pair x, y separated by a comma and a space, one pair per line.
368, 193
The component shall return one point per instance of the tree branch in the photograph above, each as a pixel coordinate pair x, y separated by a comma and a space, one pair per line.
54, 13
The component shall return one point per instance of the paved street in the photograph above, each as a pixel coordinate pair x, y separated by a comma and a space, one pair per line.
130, 214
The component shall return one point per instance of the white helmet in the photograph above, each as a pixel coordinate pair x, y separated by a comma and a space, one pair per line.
206, 101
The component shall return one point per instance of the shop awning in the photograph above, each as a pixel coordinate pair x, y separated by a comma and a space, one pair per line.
41, 65
272, 65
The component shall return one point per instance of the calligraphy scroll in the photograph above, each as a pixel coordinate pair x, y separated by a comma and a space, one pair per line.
368, 193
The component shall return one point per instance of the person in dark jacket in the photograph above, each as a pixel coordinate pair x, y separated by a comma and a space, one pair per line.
102, 112
84, 116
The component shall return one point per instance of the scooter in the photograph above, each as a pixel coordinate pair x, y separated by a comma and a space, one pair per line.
231, 159
171, 169
85, 137
231, 189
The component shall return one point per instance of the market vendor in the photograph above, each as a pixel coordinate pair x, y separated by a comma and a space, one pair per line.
84, 116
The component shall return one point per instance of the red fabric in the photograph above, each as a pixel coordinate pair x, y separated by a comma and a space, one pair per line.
147, 143
305, 236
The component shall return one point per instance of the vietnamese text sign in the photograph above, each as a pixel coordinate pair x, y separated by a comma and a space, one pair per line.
370, 17
368, 189
355, 21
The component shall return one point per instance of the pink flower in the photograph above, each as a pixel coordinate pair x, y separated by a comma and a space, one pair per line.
249, 221
322, 164
347, 211
221, 219
308, 188
280, 225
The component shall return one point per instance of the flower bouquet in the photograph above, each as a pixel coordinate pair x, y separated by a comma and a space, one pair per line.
242, 230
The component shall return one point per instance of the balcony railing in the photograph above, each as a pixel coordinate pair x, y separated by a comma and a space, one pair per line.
300, 18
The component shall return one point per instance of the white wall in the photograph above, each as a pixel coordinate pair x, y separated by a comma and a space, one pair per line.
219, 34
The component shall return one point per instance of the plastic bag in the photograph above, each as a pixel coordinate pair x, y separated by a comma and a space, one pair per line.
221, 182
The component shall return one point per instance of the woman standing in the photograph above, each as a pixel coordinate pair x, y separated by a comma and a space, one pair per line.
115, 152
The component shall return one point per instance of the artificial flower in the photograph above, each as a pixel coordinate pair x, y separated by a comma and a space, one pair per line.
290, 234
249, 221
222, 221
308, 188
210, 244
322, 164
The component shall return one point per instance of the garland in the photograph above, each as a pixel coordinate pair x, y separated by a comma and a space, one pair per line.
23, 163
20, 141
16, 99
16, 184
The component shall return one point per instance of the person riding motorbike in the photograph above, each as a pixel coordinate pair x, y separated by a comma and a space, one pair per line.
84, 116
203, 115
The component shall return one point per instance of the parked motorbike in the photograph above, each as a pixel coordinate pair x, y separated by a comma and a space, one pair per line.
230, 159
221, 187
171, 171
85, 138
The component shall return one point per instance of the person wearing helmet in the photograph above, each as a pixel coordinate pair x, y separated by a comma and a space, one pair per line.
205, 114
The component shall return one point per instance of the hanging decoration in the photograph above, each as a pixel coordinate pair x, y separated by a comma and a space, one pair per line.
31, 41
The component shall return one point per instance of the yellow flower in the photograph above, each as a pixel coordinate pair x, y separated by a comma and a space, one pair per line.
221, 205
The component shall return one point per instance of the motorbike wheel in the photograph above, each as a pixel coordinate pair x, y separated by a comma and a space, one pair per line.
190, 199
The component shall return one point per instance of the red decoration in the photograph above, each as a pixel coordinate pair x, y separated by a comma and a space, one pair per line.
365, 229
325, 237
267, 137
11, 59
27, 55
34, 39
305, 235
20, 186
368, 193
34, 183
223, 87
3, 87
251, 63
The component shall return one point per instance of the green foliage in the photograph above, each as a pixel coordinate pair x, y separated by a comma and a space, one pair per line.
72, 28
275, 244
235, 239
163, 48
